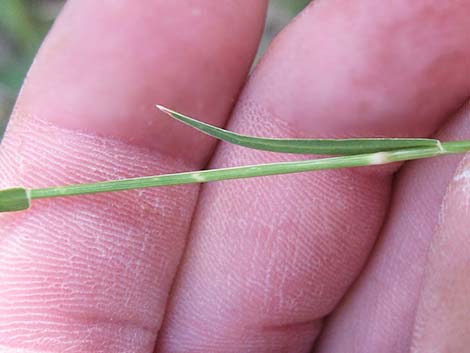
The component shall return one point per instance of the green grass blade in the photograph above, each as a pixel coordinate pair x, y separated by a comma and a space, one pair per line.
250, 171
304, 146
16, 199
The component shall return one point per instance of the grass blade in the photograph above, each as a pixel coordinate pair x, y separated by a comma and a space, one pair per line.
304, 146
250, 171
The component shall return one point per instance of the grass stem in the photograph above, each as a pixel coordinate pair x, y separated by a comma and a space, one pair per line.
19, 198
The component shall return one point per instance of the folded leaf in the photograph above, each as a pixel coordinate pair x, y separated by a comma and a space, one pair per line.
304, 146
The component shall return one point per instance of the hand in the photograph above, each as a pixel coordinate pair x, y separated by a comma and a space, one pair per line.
337, 260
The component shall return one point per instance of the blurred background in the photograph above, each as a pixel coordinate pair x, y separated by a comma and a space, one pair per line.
24, 23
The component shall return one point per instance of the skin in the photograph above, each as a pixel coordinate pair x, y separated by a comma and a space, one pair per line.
364, 260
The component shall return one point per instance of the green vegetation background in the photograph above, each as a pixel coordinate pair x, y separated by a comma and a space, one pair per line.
24, 23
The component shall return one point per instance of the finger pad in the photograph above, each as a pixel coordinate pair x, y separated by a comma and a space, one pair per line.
87, 273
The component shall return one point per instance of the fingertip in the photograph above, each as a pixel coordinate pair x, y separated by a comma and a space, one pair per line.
367, 68
104, 65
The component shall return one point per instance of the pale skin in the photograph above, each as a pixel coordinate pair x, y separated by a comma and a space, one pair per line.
364, 260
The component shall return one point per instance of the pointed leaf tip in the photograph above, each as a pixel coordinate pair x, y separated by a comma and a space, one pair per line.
163, 109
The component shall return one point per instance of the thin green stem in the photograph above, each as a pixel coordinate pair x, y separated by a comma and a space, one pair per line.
16, 199
456, 146
250, 171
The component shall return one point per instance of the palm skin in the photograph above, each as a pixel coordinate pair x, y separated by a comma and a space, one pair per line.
365, 260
